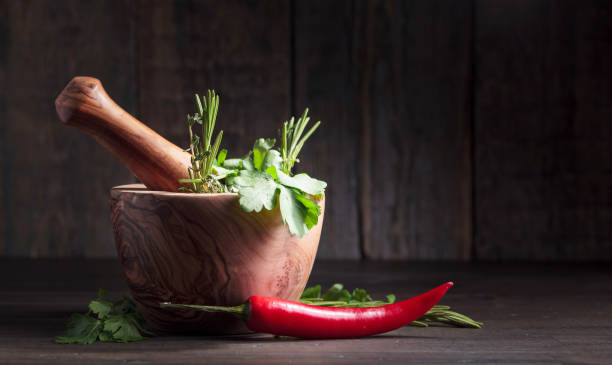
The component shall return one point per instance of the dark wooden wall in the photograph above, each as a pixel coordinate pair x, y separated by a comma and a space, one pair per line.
469, 130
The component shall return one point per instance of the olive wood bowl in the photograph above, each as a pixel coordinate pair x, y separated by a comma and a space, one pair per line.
204, 249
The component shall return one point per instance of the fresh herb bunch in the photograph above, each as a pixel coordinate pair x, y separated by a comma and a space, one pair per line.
263, 178
337, 296
203, 153
106, 321
261, 183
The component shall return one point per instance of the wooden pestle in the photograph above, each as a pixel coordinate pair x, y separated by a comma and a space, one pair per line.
157, 162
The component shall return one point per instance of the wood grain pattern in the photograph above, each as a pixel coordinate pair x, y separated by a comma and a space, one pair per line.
392, 81
530, 315
389, 79
240, 49
325, 83
54, 183
203, 248
542, 130
158, 163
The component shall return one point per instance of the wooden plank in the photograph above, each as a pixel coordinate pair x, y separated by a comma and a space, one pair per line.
543, 135
5, 218
239, 49
526, 321
325, 82
393, 81
55, 180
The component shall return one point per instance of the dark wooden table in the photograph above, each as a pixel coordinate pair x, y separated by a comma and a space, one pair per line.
552, 314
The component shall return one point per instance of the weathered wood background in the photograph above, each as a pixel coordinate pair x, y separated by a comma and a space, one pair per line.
470, 130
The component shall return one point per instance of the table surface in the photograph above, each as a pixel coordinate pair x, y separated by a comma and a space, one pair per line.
533, 313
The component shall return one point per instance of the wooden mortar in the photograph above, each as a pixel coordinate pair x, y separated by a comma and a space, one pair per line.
179, 247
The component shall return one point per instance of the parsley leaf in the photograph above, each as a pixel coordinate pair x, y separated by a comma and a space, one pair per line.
292, 211
257, 190
311, 210
337, 296
106, 321
82, 329
260, 149
337, 293
101, 307
264, 180
122, 329
302, 182
360, 295
313, 292
273, 159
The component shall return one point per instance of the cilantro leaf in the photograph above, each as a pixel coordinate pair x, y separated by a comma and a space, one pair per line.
122, 329
106, 321
313, 292
337, 293
390, 298
105, 336
260, 149
360, 295
232, 164
257, 190
272, 170
247, 164
221, 172
273, 159
303, 182
311, 210
101, 307
292, 211
82, 329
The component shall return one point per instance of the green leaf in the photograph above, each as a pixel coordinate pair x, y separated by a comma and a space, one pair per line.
105, 336
122, 328
292, 211
122, 323
82, 329
257, 190
273, 158
260, 149
360, 295
221, 157
247, 164
101, 307
303, 182
232, 163
390, 298
221, 172
312, 292
272, 171
311, 210
334, 293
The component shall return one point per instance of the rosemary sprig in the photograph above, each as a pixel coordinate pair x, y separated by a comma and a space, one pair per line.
292, 140
203, 153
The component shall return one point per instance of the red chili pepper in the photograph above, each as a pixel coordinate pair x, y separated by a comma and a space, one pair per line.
287, 318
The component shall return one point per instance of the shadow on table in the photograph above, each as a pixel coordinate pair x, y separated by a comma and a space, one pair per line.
265, 338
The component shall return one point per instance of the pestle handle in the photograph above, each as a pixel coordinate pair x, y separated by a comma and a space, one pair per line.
157, 162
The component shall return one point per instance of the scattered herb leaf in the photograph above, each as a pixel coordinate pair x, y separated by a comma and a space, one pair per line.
105, 321
337, 296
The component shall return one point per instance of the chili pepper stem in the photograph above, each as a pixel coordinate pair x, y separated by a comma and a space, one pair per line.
240, 311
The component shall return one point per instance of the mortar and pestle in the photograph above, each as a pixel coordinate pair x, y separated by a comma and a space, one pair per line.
182, 247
